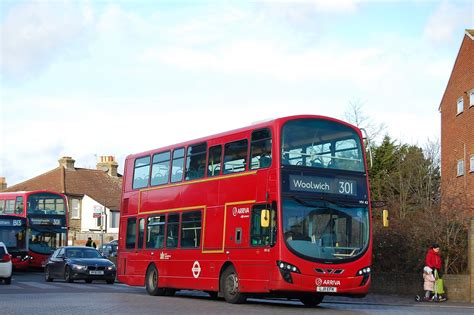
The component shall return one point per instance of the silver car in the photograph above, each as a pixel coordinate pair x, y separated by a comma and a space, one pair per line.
5, 264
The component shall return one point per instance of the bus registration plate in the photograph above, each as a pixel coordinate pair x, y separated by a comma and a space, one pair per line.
326, 289
96, 272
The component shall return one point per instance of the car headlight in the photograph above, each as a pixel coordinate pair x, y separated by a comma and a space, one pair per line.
111, 267
78, 267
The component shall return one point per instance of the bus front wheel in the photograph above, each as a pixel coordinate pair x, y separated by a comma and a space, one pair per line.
151, 282
312, 300
231, 288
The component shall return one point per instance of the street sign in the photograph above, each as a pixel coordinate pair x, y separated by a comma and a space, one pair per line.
97, 212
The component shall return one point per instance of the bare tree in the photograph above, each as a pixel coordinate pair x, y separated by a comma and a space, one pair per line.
356, 116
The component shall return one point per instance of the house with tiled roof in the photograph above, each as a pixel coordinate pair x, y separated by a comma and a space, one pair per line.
457, 132
89, 192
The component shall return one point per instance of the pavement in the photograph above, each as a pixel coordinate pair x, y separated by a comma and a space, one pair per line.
387, 299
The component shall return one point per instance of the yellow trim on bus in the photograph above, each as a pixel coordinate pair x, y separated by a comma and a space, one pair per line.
204, 207
208, 179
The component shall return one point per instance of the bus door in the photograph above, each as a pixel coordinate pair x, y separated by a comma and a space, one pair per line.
237, 227
128, 257
257, 240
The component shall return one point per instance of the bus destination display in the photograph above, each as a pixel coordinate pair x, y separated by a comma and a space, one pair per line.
339, 186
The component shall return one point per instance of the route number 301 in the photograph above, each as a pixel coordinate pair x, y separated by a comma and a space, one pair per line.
346, 188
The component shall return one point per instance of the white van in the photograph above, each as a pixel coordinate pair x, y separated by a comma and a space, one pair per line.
5, 264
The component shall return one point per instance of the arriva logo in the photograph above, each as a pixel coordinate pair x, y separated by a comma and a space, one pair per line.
238, 211
327, 282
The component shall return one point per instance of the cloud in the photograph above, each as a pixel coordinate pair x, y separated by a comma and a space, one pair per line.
328, 6
35, 34
445, 22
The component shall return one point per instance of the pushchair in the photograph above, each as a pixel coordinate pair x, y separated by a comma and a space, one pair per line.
437, 293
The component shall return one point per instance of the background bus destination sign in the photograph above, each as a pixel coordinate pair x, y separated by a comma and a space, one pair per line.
323, 185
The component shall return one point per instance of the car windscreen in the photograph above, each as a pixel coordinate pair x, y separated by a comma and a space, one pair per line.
82, 253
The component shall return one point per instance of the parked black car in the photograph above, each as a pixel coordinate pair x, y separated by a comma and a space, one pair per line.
79, 263
109, 249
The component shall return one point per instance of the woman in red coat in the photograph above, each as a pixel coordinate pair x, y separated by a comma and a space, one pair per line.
433, 259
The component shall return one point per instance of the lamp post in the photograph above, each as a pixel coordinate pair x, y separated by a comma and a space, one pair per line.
102, 219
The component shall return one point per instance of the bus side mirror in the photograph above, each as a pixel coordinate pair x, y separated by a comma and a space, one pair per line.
385, 218
265, 218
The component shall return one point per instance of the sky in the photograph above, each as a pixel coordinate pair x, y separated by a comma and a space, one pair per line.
92, 78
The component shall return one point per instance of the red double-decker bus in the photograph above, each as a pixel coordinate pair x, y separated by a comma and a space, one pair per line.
280, 208
32, 225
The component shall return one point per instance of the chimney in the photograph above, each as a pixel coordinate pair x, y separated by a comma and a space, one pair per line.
108, 164
3, 183
67, 162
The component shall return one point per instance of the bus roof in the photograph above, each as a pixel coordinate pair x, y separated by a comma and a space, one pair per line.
18, 193
257, 125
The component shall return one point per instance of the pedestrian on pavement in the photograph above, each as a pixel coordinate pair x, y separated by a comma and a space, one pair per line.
90, 243
433, 260
429, 283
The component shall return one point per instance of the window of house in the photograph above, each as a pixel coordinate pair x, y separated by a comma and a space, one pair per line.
161, 168
215, 159
177, 165
460, 168
114, 219
235, 156
196, 161
460, 105
142, 172
261, 149
471, 168
75, 208
471, 98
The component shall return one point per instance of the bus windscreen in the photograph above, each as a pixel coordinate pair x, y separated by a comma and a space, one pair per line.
321, 144
46, 203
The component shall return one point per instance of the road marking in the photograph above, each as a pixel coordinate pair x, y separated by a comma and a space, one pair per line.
39, 285
10, 286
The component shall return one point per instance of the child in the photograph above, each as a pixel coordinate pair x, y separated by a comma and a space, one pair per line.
429, 283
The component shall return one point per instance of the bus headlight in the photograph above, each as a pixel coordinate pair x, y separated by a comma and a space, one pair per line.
286, 269
364, 271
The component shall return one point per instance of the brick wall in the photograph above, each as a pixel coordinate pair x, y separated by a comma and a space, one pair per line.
457, 287
457, 133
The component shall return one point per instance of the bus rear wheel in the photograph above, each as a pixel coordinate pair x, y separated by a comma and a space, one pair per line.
231, 288
312, 300
151, 282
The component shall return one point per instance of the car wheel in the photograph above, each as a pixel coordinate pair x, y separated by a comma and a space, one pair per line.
312, 300
88, 281
68, 275
231, 288
111, 281
151, 282
8, 280
47, 275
